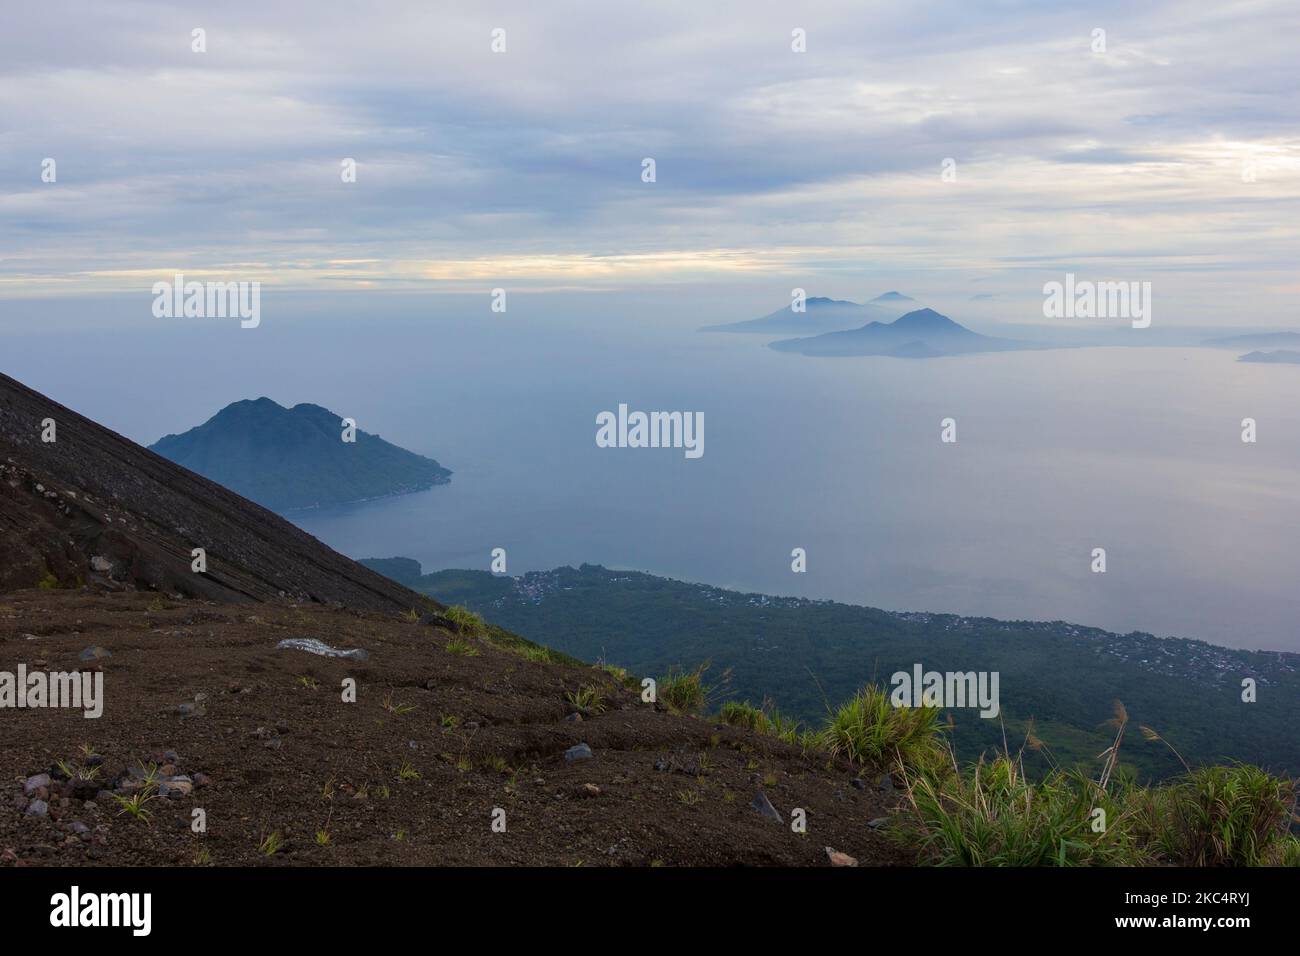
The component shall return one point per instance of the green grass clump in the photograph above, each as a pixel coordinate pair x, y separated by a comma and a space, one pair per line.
766, 720
588, 699
1219, 816
272, 844
465, 620
134, 805
870, 731
994, 815
461, 648
684, 692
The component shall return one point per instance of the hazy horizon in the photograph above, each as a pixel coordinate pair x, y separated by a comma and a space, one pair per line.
622, 177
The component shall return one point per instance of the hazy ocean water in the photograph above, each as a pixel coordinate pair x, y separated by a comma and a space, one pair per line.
1135, 450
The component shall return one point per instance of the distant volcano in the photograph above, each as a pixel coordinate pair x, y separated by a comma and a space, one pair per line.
922, 333
821, 314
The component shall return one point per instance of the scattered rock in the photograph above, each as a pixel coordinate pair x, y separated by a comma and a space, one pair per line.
175, 787
574, 718
100, 563
859, 783
95, 653
589, 790
840, 859
79, 828
579, 752
312, 646
763, 807
34, 783
886, 782
38, 808
201, 780
879, 823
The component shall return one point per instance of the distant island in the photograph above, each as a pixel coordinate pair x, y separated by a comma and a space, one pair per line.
802, 654
821, 314
1275, 357
289, 459
922, 333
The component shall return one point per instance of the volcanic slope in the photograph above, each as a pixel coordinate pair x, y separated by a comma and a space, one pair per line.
454, 725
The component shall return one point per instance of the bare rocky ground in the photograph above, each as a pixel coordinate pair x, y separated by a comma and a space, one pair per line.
202, 711
410, 773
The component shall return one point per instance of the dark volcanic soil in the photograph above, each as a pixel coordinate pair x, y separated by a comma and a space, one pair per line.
94, 507
283, 754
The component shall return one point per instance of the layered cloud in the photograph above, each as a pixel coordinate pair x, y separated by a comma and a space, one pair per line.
1174, 151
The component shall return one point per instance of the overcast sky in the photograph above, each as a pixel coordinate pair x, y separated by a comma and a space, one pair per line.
524, 168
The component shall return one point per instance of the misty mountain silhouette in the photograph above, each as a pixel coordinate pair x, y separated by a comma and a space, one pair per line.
1276, 357
923, 333
822, 314
291, 458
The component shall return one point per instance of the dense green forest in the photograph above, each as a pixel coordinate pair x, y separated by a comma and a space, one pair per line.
805, 656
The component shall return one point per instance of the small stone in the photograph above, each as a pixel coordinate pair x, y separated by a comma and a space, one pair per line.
38, 808
79, 828
859, 783
312, 646
573, 718
201, 780
94, 653
589, 790
840, 859
100, 563
763, 807
578, 752
175, 787
879, 823
34, 783
886, 782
